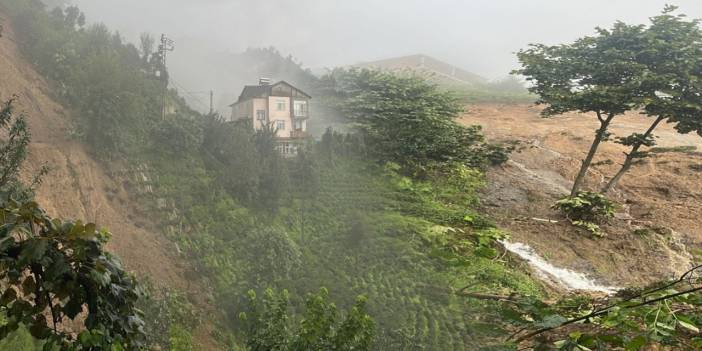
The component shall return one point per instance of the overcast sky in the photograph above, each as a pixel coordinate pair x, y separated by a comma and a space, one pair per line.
479, 35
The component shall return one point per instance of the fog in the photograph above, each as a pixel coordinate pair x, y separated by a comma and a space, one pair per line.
478, 35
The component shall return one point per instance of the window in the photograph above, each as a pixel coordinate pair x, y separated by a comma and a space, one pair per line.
300, 108
299, 125
280, 105
261, 115
287, 149
280, 125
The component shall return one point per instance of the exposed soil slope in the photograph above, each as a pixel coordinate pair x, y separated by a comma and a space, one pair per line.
78, 187
662, 196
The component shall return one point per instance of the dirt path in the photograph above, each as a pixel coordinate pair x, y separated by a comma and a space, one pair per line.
663, 195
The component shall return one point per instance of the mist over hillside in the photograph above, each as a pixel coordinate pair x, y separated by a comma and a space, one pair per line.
478, 36
366, 178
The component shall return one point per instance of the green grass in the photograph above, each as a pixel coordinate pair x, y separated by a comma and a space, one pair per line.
484, 95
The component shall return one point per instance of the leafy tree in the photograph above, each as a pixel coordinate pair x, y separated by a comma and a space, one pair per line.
508, 84
147, 43
54, 271
271, 328
594, 74
273, 256
247, 161
334, 143
13, 146
673, 61
407, 120
114, 93
654, 68
231, 150
273, 172
169, 317
177, 135
305, 185
71, 16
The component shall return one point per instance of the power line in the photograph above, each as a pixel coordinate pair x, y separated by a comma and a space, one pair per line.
164, 47
191, 94
208, 92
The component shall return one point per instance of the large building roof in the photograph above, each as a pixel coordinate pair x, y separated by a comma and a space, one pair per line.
437, 70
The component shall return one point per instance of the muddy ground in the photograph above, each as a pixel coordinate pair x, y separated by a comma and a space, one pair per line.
662, 197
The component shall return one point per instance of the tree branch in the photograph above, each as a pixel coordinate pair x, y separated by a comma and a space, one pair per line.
599, 116
609, 307
487, 296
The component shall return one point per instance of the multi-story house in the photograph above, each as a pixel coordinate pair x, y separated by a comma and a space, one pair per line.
281, 106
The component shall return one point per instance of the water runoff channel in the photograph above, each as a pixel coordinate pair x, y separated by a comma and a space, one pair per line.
568, 279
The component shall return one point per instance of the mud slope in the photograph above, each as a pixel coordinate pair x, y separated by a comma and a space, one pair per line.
76, 186
662, 197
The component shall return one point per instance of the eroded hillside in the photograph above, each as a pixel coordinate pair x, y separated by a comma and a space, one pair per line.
77, 186
656, 230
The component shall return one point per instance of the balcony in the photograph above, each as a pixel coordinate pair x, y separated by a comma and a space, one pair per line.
299, 134
301, 114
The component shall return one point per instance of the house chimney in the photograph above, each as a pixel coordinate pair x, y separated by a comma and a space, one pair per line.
264, 81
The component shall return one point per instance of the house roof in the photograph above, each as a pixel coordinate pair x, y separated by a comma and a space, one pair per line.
254, 91
258, 91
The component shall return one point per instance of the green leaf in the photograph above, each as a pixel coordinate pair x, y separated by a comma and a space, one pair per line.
636, 343
486, 252
73, 307
90, 229
8, 296
688, 326
77, 230
29, 286
552, 321
665, 326
6, 229
39, 329
34, 250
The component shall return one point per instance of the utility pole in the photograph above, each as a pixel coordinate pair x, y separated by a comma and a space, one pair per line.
164, 47
211, 104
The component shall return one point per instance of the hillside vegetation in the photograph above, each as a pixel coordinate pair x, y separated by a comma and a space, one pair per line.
367, 240
338, 217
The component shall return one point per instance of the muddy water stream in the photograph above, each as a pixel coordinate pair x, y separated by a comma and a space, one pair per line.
570, 280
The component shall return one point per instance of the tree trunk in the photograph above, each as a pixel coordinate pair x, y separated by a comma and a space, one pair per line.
630, 158
604, 124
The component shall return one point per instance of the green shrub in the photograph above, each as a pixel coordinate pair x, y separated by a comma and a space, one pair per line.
587, 210
322, 327
586, 206
169, 318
